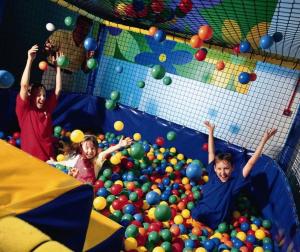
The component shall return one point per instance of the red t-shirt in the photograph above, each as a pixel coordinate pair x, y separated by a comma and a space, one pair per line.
36, 127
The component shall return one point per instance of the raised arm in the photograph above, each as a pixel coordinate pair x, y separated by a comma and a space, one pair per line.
122, 143
211, 143
251, 162
58, 82
26, 73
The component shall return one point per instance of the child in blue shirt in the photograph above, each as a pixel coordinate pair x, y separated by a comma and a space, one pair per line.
224, 181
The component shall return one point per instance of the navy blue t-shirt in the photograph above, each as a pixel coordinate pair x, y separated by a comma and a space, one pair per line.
217, 198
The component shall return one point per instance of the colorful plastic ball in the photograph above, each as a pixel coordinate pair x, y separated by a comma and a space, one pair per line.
220, 65
68, 21
162, 213
160, 141
110, 104
6, 79
90, 44
253, 76
260, 234
167, 80
236, 49
60, 157
141, 84
266, 224
277, 37
77, 136
153, 237
266, 41
131, 231
258, 249
99, 203
115, 95
245, 47
50, 27
92, 63
193, 171
205, 32
158, 72
185, 6
159, 36
244, 77
152, 198
171, 135
62, 61
43, 65
200, 55
205, 147
158, 249
137, 136
152, 30
196, 42
118, 125
137, 151
130, 243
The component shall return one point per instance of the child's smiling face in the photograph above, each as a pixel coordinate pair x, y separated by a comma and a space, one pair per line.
89, 149
223, 169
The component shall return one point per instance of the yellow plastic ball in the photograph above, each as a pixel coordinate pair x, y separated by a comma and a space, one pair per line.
180, 156
173, 150
254, 227
189, 160
260, 234
119, 182
111, 209
184, 237
185, 213
205, 178
118, 154
99, 203
158, 249
162, 150
258, 249
160, 156
118, 125
178, 219
166, 224
200, 249
173, 161
151, 213
241, 235
141, 249
130, 243
60, 157
115, 160
169, 169
163, 203
145, 205
77, 136
157, 190
185, 181
218, 235
137, 136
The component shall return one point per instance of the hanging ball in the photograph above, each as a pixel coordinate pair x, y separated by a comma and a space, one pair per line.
68, 21
167, 80
119, 69
200, 55
141, 84
196, 42
205, 32
62, 61
118, 125
90, 44
6, 79
244, 77
277, 37
205, 147
137, 151
77, 136
158, 72
99, 203
220, 65
43, 65
115, 95
253, 76
266, 41
92, 63
171, 135
50, 27
159, 36
245, 47
152, 30
110, 104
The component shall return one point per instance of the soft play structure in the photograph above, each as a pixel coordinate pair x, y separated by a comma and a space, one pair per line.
60, 207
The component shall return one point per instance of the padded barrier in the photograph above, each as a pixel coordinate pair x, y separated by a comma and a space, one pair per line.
270, 188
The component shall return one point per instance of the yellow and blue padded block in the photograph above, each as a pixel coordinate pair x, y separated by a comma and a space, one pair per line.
17, 235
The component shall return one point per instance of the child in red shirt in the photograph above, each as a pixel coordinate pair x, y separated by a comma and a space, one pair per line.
34, 112
86, 162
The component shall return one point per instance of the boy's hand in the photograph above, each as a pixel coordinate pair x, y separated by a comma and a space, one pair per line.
54, 58
32, 52
268, 134
209, 126
125, 142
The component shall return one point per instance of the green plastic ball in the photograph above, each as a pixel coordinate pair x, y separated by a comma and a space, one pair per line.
137, 151
153, 237
115, 95
166, 246
62, 61
167, 80
57, 130
110, 104
92, 63
141, 84
166, 235
222, 227
68, 21
131, 231
158, 72
171, 135
162, 213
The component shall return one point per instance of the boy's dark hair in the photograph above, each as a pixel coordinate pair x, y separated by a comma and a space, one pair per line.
84, 19
224, 157
36, 86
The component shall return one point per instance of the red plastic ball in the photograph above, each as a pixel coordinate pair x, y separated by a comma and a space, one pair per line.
157, 6
205, 147
185, 6
16, 135
116, 189
253, 76
129, 165
220, 65
200, 55
160, 141
236, 49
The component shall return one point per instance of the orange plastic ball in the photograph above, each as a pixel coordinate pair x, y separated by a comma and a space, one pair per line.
196, 42
152, 30
205, 32
220, 65
43, 65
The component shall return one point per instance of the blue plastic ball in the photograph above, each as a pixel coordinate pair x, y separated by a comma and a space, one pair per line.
6, 79
119, 69
152, 198
193, 171
277, 37
245, 47
90, 44
244, 77
159, 36
266, 41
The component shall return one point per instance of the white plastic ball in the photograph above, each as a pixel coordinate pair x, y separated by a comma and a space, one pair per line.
50, 27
